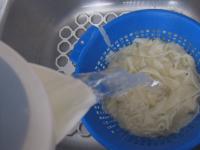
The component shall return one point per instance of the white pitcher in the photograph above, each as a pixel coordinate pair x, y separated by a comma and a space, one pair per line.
38, 106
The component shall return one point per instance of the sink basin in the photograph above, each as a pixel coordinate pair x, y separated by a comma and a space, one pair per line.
45, 31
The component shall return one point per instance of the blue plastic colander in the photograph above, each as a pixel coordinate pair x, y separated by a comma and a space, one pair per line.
89, 55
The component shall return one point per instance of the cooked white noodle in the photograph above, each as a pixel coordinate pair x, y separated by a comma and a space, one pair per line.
161, 110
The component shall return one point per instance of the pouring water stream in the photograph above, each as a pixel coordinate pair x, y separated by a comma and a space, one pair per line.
70, 98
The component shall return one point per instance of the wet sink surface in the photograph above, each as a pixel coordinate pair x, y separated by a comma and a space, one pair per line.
45, 31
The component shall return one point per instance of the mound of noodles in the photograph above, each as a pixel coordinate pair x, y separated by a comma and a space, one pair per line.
160, 110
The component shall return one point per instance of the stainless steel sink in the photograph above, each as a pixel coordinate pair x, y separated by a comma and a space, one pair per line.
45, 31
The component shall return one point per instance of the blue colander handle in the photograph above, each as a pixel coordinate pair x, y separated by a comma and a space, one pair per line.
83, 43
